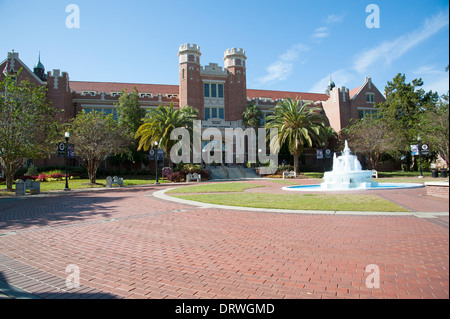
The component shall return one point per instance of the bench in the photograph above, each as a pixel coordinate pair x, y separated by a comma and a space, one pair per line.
194, 176
110, 181
289, 174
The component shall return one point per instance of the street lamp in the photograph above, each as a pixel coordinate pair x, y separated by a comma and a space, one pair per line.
156, 163
67, 135
420, 158
323, 156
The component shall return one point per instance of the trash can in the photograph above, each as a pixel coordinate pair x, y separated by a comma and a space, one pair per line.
443, 172
434, 172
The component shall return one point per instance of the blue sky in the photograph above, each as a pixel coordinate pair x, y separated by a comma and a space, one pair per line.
290, 45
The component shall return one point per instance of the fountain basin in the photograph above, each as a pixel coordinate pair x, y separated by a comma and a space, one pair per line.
379, 186
348, 179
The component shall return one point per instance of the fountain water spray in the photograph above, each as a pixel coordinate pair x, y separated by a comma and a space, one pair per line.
347, 173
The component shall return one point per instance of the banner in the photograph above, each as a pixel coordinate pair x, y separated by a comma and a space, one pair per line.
319, 154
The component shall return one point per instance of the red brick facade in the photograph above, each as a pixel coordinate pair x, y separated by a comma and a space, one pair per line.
227, 100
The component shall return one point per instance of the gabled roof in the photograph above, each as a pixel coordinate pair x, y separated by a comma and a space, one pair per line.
353, 93
25, 67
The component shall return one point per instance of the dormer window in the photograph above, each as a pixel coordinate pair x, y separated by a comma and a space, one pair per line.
116, 94
90, 93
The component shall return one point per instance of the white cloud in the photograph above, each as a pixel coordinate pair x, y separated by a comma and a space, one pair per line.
320, 33
434, 78
341, 77
282, 68
334, 18
389, 51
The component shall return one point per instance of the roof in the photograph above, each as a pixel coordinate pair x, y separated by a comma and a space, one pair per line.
353, 92
80, 86
251, 93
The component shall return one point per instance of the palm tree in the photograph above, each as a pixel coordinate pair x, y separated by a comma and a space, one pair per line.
298, 125
252, 116
159, 123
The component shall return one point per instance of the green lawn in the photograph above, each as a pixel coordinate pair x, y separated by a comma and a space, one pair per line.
326, 202
214, 188
84, 183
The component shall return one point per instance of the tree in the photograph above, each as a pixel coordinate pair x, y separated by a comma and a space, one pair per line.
402, 111
298, 125
435, 128
159, 123
27, 125
372, 137
405, 102
96, 136
252, 116
129, 111
129, 118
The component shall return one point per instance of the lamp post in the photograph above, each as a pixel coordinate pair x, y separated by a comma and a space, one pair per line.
323, 156
67, 135
156, 163
420, 158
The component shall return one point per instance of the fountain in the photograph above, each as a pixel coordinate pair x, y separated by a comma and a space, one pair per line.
347, 175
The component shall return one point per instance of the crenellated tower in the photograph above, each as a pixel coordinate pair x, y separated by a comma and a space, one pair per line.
236, 88
191, 86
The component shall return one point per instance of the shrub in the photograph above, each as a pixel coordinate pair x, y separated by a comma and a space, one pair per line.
177, 177
32, 170
57, 176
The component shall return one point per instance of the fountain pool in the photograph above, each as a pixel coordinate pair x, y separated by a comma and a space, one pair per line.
347, 174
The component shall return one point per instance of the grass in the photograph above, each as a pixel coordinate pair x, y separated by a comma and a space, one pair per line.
300, 202
214, 188
84, 183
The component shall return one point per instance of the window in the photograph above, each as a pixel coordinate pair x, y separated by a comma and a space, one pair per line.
214, 113
364, 113
370, 97
214, 90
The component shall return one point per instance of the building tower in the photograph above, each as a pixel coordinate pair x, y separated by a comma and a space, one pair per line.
236, 88
39, 69
191, 86
330, 86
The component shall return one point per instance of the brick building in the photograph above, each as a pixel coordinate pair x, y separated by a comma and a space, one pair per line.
219, 93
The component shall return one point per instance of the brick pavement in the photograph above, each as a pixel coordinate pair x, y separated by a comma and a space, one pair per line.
129, 244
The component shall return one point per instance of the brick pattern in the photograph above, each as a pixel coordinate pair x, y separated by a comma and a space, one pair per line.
129, 244
438, 191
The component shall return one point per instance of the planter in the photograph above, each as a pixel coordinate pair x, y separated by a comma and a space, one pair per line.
443, 172
434, 172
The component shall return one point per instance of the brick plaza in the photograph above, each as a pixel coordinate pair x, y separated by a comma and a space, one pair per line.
128, 243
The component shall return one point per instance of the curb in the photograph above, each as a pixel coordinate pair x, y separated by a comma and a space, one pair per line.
161, 195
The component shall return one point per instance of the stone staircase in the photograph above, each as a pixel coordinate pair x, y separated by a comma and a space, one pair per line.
234, 172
